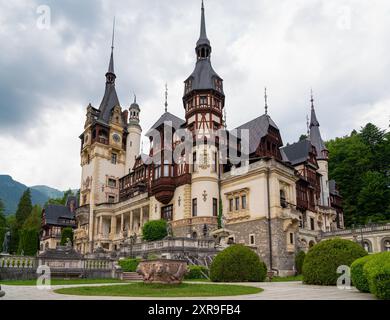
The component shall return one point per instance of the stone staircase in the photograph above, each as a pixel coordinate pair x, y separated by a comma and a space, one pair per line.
132, 276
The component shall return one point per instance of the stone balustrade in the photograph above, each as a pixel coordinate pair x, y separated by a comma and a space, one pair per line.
18, 262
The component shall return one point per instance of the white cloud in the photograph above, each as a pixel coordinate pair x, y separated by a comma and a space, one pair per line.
339, 48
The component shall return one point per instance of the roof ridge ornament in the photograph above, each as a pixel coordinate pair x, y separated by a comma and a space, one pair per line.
166, 97
266, 101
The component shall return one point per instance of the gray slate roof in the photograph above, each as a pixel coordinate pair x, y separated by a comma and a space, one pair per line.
203, 35
315, 135
298, 152
167, 118
258, 128
204, 75
110, 100
54, 212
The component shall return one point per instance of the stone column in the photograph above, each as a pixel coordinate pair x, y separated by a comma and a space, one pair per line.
101, 226
122, 222
141, 219
113, 225
131, 221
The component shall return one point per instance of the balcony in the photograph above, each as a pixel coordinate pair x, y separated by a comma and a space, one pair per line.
164, 189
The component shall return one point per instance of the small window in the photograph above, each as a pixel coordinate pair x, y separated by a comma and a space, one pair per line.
291, 238
111, 199
243, 202
114, 158
203, 100
112, 183
194, 207
215, 207
167, 213
237, 204
312, 227
230, 205
194, 169
252, 239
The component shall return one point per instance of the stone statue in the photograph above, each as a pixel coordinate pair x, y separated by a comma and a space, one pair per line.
68, 243
169, 230
6, 242
162, 271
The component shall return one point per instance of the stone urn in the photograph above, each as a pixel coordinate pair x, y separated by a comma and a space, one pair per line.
163, 271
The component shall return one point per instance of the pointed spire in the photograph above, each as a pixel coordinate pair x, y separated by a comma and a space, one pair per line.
203, 40
308, 126
313, 122
111, 65
166, 97
266, 101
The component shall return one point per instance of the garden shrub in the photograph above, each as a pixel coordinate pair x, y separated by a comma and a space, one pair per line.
129, 265
299, 259
237, 263
377, 271
323, 259
197, 272
154, 230
359, 279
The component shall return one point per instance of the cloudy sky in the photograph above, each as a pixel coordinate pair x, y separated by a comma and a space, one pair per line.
52, 67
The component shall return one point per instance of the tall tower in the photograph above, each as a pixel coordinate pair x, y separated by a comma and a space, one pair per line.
322, 154
134, 136
204, 102
103, 151
204, 98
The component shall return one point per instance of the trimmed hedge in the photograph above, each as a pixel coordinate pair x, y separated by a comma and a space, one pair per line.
129, 265
323, 259
237, 263
197, 272
359, 279
154, 230
299, 259
377, 272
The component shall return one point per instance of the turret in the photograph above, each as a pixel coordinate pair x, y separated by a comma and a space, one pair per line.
134, 136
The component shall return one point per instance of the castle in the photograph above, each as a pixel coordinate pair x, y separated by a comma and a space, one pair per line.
202, 177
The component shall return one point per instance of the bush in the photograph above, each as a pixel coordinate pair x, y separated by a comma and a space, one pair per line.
377, 271
323, 259
299, 259
154, 230
237, 263
129, 265
359, 280
197, 272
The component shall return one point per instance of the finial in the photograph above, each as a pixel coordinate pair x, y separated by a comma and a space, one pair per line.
312, 98
135, 98
166, 97
202, 5
113, 35
266, 100
308, 125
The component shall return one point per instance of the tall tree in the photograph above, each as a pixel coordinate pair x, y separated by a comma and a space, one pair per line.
360, 163
3, 224
24, 208
29, 234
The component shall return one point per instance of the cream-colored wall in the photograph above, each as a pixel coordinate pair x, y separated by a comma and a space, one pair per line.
133, 146
323, 170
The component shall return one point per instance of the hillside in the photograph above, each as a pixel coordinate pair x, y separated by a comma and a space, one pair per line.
11, 191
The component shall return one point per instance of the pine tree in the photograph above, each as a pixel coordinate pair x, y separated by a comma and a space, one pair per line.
29, 234
24, 208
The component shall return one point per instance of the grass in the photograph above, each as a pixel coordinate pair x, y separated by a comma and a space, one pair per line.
59, 282
287, 279
160, 290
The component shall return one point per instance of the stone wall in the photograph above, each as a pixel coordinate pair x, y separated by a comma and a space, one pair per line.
282, 258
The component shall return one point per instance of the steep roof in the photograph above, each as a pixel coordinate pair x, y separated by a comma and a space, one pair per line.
315, 135
297, 152
204, 75
258, 128
167, 118
54, 212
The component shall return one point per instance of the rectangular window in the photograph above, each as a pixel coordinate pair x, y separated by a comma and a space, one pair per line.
194, 169
237, 204
215, 162
114, 158
157, 172
111, 199
112, 183
291, 238
312, 224
252, 239
194, 207
203, 100
215, 207
167, 213
243, 202
230, 205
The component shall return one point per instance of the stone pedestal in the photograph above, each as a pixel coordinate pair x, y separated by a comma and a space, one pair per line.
163, 271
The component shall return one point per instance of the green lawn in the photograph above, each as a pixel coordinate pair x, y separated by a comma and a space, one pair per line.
58, 282
160, 290
286, 279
